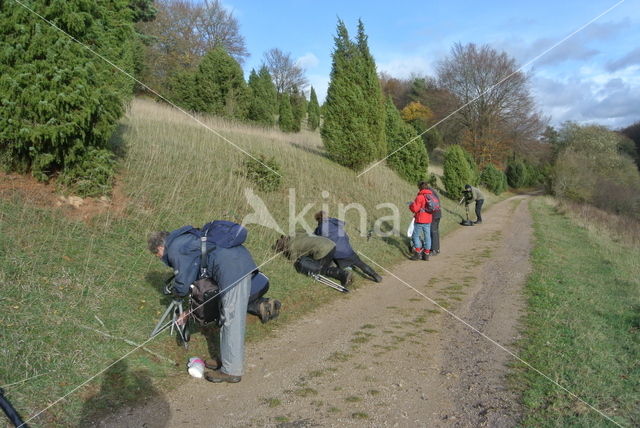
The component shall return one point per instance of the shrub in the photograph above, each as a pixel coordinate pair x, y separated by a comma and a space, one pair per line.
473, 167
456, 171
92, 174
493, 179
410, 162
516, 173
262, 172
60, 103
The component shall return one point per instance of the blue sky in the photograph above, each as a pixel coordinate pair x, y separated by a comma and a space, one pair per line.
592, 77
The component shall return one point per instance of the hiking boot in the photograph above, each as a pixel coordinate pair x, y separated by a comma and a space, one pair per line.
416, 254
434, 252
477, 222
212, 363
264, 311
425, 256
377, 278
274, 309
346, 278
216, 376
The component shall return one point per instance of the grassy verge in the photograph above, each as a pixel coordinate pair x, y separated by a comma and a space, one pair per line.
77, 296
583, 326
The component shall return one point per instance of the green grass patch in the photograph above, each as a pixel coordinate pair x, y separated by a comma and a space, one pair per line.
272, 402
582, 326
353, 399
368, 326
373, 392
305, 392
359, 415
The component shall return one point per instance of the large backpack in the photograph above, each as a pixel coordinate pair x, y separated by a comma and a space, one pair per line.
431, 203
205, 293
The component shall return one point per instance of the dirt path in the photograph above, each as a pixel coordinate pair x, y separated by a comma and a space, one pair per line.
384, 355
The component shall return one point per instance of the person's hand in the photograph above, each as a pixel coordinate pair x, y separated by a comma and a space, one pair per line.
182, 318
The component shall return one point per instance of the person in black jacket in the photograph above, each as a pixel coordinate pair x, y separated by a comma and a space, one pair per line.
435, 225
344, 255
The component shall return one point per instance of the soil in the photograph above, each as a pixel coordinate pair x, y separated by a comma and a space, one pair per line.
46, 195
385, 354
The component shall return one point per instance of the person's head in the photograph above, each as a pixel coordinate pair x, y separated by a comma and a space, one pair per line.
423, 185
282, 244
156, 242
320, 216
467, 187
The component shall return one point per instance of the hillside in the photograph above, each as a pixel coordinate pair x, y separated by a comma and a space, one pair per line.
79, 294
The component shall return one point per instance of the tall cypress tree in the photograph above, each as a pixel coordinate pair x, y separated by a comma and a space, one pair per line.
60, 103
263, 98
313, 111
345, 128
375, 112
456, 171
285, 120
298, 107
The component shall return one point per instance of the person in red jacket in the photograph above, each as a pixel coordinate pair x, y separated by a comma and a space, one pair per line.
422, 223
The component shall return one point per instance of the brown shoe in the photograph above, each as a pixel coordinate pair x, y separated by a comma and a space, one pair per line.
217, 376
212, 363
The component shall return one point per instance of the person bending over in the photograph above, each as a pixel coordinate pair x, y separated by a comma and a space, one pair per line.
474, 194
344, 256
313, 254
231, 268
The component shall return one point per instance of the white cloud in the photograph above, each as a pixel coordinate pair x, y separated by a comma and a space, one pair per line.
307, 61
405, 67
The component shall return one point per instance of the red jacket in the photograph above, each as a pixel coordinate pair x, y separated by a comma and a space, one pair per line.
417, 207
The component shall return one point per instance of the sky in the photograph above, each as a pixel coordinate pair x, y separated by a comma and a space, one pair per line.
591, 77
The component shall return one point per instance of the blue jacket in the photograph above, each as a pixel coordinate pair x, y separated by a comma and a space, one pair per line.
226, 266
333, 229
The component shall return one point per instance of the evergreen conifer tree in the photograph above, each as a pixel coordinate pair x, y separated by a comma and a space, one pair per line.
313, 111
346, 110
60, 103
373, 94
299, 108
410, 162
456, 171
218, 87
263, 98
285, 120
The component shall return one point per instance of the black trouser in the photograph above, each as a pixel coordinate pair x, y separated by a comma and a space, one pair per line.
356, 261
435, 234
479, 203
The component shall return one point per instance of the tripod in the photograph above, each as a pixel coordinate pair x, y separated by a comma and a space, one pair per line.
326, 281
174, 310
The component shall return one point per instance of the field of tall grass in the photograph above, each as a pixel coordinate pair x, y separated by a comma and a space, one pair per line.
583, 322
79, 295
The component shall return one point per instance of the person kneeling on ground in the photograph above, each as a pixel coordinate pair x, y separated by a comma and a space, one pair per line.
344, 256
313, 255
421, 236
230, 268
474, 194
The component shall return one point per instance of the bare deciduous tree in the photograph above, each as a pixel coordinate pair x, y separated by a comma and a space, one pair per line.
499, 104
284, 71
182, 33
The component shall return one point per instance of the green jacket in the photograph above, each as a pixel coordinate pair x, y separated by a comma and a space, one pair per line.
476, 195
313, 246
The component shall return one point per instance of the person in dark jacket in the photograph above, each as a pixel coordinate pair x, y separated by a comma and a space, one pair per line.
344, 256
313, 255
421, 236
474, 194
231, 268
435, 225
